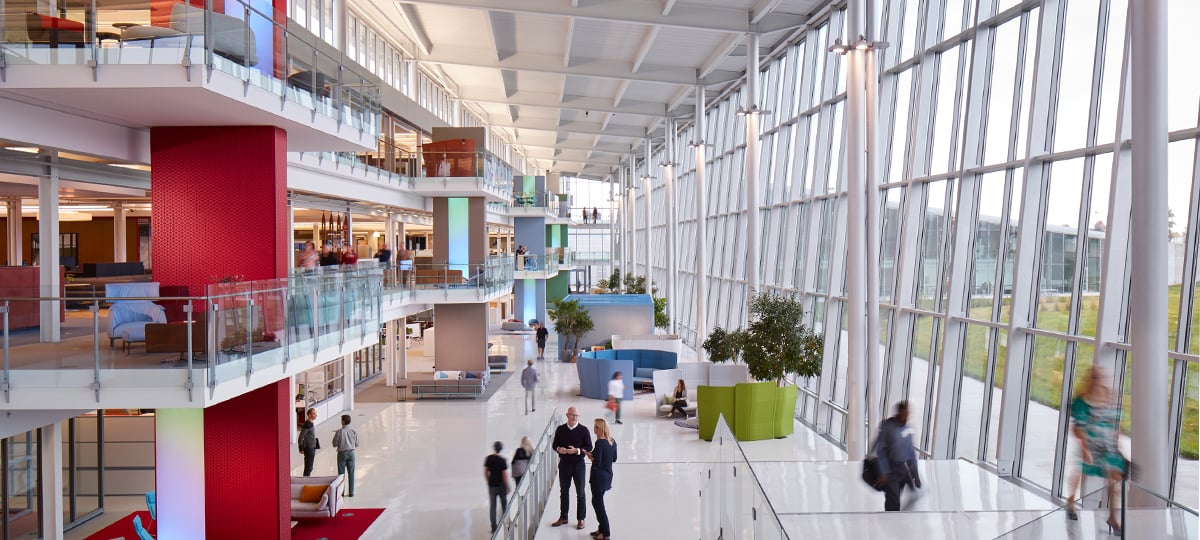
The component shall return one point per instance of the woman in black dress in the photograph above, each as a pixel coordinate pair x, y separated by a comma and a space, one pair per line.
603, 455
680, 403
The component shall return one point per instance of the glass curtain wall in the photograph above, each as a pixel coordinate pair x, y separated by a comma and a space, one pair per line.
1003, 217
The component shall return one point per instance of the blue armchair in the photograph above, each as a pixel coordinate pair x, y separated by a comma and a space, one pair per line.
130, 317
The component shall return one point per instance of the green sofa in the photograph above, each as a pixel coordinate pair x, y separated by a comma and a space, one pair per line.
754, 411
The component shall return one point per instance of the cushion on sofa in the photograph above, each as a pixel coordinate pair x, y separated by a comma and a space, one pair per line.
309, 507
312, 493
296, 488
56, 23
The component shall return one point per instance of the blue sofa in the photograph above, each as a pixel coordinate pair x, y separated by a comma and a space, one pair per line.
596, 368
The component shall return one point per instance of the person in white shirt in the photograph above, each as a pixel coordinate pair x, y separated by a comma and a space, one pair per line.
345, 440
616, 390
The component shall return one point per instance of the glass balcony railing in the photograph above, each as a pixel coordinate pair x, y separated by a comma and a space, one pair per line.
478, 165
731, 496
247, 39
1141, 514
528, 500
589, 216
493, 275
533, 262
592, 257
565, 256
236, 329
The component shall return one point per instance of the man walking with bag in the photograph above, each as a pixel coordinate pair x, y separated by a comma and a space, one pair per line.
897, 459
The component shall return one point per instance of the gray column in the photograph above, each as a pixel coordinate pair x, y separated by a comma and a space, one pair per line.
50, 471
1148, 247
15, 245
120, 247
671, 221
48, 247
752, 241
701, 228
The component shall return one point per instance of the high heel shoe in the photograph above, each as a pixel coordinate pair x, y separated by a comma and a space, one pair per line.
1072, 515
1113, 526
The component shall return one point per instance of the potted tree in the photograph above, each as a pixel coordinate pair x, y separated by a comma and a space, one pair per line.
776, 343
570, 321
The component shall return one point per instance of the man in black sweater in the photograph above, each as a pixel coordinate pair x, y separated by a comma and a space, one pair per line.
571, 441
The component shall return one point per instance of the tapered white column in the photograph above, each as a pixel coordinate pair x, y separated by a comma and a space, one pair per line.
631, 191
874, 353
120, 246
752, 241
50, 326
15, 245
648, 185
856, 235
1148, 247
701, 227
671, 221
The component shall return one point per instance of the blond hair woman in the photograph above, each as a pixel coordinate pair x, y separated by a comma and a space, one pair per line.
603, 455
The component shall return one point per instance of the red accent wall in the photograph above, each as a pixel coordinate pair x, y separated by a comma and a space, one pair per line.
220, 204
247, 465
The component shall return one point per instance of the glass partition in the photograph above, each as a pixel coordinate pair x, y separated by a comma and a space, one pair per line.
1143, 514
528, 500
732, 501
237, 328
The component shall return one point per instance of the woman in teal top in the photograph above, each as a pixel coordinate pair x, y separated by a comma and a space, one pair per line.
1097, 423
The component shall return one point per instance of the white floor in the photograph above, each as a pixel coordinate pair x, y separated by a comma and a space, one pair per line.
422, 462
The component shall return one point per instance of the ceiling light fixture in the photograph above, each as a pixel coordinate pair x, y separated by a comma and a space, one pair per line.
754, 110
861, 44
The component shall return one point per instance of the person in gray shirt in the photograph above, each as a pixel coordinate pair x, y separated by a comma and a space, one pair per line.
529, 380
897, 458
345, 440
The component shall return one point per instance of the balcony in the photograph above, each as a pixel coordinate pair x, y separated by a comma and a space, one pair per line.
238, 337
472, 173
538, 204
566, 258
533, 266
587, 258
182, 64
447, 283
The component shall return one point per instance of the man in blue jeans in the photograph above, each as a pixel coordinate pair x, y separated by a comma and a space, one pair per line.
572, 441
345, 440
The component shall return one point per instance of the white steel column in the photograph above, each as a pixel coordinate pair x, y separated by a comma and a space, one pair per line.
648, 184
120, 248
701, 228
50, 471
856, 236
14, 217
873, 349
631, 190
48, 247
671, 221
1148, 250
751, 162
612, 223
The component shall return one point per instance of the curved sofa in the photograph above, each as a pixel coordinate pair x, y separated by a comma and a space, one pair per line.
653, 342
754, 411
596, 368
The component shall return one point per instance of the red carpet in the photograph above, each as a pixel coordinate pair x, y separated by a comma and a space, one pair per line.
124, 527
351, 523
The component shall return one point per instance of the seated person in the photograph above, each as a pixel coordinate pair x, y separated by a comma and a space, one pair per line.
680, 402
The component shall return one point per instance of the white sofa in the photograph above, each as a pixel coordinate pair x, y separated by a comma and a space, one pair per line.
330, 503
649, 342
664, 387
127, 319
709, 374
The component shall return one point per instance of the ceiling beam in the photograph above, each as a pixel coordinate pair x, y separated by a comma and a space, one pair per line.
622, 87
762, 8
560, 146
644, 48
409, 14
525, 98
533, 124
668, 5
694, 17
604, 69
710, 64
570, 38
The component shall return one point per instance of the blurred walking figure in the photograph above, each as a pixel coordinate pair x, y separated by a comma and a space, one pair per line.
529, 380
520, 460
897, 459
1096, 423
495, 471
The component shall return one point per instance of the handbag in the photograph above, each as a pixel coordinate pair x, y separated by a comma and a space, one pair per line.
611, 405
519, 466
870, 467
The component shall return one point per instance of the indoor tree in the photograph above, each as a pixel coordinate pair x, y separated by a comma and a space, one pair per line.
777, 342
570, 320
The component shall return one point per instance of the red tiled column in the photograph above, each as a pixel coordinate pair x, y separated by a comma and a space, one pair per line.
219, 197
